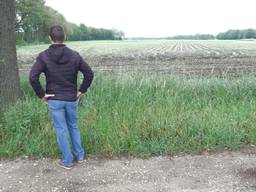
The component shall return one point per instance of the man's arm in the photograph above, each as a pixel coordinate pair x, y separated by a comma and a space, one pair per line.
88, 76
34, 75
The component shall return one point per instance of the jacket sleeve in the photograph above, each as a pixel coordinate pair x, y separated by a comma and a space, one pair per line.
34, 75
87, 73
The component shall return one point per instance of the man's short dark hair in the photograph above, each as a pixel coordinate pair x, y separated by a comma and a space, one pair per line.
57, 33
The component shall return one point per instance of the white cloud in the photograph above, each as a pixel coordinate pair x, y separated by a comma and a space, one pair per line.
160, 17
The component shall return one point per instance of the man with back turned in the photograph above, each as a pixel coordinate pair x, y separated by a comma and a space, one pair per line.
61, 65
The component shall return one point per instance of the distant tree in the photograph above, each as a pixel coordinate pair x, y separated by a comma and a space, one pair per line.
237, 34
53, 17
85, 32
118, 34
90, 33
75, 34
30, 17
9, 77
250, 33
232, 34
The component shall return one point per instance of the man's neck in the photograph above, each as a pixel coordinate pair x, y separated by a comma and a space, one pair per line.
56, 43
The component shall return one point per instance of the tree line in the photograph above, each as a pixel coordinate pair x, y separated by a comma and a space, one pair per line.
238, 34
193, 37
33, 19
228, 35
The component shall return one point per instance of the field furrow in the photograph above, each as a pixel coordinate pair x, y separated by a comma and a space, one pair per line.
171, 57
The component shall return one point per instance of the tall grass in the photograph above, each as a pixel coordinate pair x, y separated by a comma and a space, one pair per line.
142, 115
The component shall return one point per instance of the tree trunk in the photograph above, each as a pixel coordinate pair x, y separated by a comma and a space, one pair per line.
9, 74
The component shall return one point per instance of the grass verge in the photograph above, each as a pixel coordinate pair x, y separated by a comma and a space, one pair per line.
141, 115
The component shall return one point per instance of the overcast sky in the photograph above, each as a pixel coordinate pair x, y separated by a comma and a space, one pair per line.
160, 18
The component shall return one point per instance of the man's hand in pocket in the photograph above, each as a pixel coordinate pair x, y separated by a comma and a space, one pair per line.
46, 97
79, 95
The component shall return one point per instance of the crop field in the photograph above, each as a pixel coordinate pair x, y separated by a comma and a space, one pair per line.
162, 56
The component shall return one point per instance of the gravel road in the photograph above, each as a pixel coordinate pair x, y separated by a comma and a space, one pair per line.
220, 172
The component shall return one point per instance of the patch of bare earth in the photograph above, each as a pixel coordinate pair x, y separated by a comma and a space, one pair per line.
222, 172
169, 64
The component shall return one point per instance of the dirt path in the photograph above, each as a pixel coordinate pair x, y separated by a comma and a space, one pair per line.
222, 172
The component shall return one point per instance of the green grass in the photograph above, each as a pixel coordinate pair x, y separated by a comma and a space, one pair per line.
141, 115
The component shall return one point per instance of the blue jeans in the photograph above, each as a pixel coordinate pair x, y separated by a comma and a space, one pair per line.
64, 117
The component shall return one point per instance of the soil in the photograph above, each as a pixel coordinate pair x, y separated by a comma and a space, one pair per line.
221, 172
181, 58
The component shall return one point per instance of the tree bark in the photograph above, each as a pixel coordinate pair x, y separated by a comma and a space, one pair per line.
9, 74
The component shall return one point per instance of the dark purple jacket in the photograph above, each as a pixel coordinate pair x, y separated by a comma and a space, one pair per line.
60, 65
